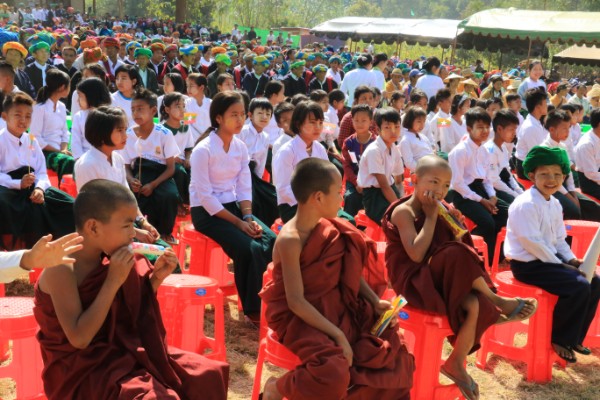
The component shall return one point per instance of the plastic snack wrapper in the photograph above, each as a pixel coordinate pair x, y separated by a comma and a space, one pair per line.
590, 260
457, 228
147, 249
385, 318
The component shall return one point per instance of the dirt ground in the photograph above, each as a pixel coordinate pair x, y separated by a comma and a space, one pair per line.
503, 380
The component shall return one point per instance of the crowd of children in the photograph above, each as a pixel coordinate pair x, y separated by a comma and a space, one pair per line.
242, 135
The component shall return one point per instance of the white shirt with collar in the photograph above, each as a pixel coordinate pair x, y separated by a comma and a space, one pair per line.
281, 140
531, 133
94, 164
272, 130
430, 84
587, 156
451, 136
570, 182
468, 165
10, 266
20, 152
158, 146
332, 115
438, 123
219, 177
258, 147
498, 159
49, 125
118, 100
113, 67
284, 162
354, 79
379, 159
201, 115
43, 69
336, 76
535, 230
413, 147
79, 143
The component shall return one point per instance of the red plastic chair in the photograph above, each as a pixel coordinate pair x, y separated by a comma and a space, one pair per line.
277, 225
372, 230
408, 187
180, 223
482, 248
67, 185
496, 262
18, 324
469, 224
183, 299
424, 334
537, 354
583, 233
53, 177
526, 183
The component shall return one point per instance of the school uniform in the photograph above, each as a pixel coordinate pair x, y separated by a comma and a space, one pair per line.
152, 153
281, 140
413, 147
587, 159
352, 152
332, 115
378, 159
18, 215
588, 209
535, 244
439, 123
219, 181
498, 171
255, 85
469, 185
118, 100
327, 85
200, 116
79, 143
185, 142
50, 128
37, 75
430, 84
23, 82
354, 79
93, 164
531, 133
338, 77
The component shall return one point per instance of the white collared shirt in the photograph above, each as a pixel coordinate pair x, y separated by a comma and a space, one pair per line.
113, 67
158, 146
438, 123
94, 164
201, 115
587, 156
413, 148
570, 182
451, 136
79, 143
258, 147
497, 159
272, 130
336, 76
467, 165
531, 133
535, 230
10, 266
281, 140
184, 140
332, 116
354, 79
118, 100
219, 177
284, 162
18, 152
43, 69
379, 159
49, 125
430, 84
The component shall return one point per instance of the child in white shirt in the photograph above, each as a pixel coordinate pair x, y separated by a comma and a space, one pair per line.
587, 156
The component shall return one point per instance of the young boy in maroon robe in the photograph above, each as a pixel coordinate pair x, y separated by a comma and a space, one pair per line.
101, 332
438, 273
321, 308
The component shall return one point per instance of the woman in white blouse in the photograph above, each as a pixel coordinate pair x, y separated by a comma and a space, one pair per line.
360, 76
533, 80
430, 83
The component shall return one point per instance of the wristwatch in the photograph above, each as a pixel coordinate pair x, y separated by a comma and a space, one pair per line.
139, 220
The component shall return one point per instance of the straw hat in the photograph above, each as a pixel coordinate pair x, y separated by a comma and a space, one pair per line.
452, 76
594, 92
470, 82
515, 84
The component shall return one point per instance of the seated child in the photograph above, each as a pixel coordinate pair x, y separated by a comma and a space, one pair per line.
172, 114
150, 164
535, 244
274, 92
337, 100
321, 308
457, 130
352, 151
587, 156
574, 204
381, 168
107, 132
29, 206
128, 80
330, 131
256, 139
362, 95
472, 192
497, 156
283, 115
221, 200
414, 145
306, 124
197, 105
48, 123
397, 100
440, 122
101, 332
441, 274
531, 132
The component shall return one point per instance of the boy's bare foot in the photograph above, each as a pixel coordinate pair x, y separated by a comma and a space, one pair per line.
271, 392
564, 353
517, 309
458, 374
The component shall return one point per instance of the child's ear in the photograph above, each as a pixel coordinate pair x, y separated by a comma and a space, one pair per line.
4, 116
414, 178
91, 227
531, 176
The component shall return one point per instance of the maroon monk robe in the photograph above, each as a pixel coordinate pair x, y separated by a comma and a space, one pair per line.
128, 358
441, 281
331, 264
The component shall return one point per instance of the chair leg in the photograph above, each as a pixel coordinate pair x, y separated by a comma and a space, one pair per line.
259, 366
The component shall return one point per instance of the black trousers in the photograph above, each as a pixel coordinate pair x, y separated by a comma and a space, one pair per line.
588, 209
577, 298
588, 186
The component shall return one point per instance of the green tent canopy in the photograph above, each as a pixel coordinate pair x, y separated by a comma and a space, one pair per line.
579, 55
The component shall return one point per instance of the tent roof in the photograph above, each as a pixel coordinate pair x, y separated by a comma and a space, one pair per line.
554, 26
579, 55
389, 30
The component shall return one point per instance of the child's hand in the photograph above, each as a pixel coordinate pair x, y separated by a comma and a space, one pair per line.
27, 180
249, 228
135, 185
429, 202
164, 266
37, 196
186, 164
382, 306
144, 236
66, 152
147, 189
121, 262
342, 341
488, 205
575, 262
151, 229
573, 268
359, 189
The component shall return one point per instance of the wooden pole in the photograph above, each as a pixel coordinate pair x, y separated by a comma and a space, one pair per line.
453, 47
528, 54
398, 48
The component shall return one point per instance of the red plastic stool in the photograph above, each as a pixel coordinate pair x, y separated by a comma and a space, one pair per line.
53, 177
180, 223
526, 183
67, 185
499, 240
183, 299
277, 225
537, 354
408, 187
470, 225
18, 324
424, 334
583, 233
482, 248
372, 230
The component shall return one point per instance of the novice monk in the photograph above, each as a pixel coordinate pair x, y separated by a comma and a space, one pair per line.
101, 332
322, 309
438, 273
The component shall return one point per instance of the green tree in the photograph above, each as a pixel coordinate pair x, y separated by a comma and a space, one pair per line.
362, 8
